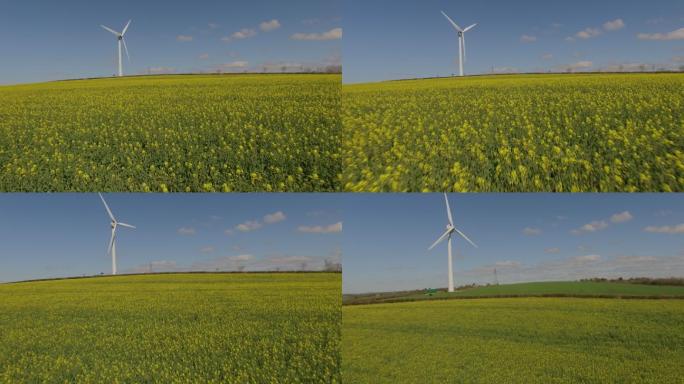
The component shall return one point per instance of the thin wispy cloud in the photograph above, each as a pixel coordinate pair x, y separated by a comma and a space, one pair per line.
594, 226
621, 217
183, 38
588, 33
333, 34
268, 26
599, 225
253, 225
274, 217
528, 38
674, 35
248, 226
530, 231
186, 231
614, 25
674, 229
332, 228
242, 34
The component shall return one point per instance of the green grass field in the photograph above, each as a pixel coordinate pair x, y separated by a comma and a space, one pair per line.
210, 328
544, 289
514, 340
518, 133
199, 133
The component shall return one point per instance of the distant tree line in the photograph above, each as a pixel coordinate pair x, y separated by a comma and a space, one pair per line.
639, 280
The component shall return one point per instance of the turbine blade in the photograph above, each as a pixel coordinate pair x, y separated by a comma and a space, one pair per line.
110, 30
464, 49
109, 211
111, 242
465, 237
469, 28
441, 238
126, 225
126, 49
126, 28
452, 22
451, 220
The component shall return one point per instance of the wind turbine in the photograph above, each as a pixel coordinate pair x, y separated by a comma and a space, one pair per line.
450, 230
112, 242
461, 42
121, 40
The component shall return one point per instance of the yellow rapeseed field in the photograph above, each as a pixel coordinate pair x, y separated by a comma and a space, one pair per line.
172, 133
561, 133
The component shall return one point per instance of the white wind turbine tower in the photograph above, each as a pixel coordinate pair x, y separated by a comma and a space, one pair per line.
112, 242
461, 42
450, 229
121, 40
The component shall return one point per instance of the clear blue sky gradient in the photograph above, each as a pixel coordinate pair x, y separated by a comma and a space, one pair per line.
48, 40
56, 235
392, 39
386, 238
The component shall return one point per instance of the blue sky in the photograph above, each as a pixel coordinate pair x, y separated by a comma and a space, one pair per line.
47, 40
526, 237
44, 235
391, 39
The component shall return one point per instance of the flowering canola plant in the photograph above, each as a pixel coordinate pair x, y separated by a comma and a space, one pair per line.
186, 328
529, 133
199, 133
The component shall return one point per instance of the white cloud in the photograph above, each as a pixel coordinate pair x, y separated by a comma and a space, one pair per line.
528, 38
674, 35
594, 226
580, 267
204, 56
507, 264
576, 66
186, 231
160, 70
587, 258
529, 231
675, 229
547, 56
274, 217
253, 225
213, 25
588, 33
248, 226
244, 33
500, 70
183, 38
207, 249
655, 21
614, 25
268, 26
552, 250
332, 228
333, 34
621, 217
235, 64
240, 258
